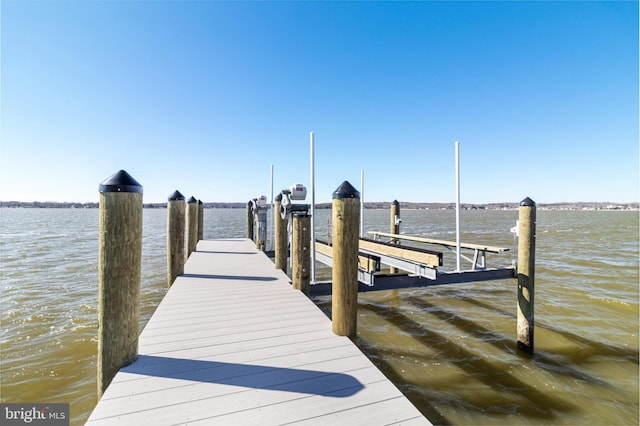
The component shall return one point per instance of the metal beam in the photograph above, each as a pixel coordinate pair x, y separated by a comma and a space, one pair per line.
406, 265
414, 254
369, 263
394, 282
364, 277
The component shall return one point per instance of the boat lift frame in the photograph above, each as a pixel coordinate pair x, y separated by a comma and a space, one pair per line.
417, 273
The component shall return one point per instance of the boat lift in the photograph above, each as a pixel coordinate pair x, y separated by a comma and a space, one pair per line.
419, 265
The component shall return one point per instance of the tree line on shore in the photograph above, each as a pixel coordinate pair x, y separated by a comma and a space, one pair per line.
367, 205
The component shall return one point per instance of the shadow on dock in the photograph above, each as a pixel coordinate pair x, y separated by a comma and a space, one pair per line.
229, 277
226, 252
311, 382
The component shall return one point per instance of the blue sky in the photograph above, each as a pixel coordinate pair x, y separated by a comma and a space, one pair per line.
204, 96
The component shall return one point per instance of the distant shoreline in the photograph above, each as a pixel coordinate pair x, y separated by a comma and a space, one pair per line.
367, 205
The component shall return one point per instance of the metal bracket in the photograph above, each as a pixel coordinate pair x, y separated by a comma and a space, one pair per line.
364, 277
406, 265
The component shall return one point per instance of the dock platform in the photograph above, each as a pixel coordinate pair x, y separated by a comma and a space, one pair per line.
233, 343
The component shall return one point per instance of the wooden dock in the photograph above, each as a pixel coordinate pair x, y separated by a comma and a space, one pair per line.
233, 343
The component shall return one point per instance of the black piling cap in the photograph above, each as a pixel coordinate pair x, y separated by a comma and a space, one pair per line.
346, 190
176, 196
395, 203
527, 202
120, 182
200, 203
192, 200
279, 197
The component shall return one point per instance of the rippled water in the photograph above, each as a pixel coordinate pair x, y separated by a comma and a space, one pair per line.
451, 349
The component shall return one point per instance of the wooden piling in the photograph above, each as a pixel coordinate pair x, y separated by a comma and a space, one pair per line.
345, 219
394, 226
192, 226
526, 273
119, 263
200, 220
260, 227
301, 253
249, 218
175, 236
395, 220
256, 227
281, 236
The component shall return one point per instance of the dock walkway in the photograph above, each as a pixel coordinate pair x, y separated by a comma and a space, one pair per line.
232, 343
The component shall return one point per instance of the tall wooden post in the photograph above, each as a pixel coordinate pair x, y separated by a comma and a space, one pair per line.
249, 218
394, 226
260, 227
301, 253
175, 236
345, 218
192, 226
200, 220
119, 263
526, 273
280, 232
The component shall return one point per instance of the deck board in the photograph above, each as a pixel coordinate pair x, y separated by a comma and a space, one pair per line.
232, 343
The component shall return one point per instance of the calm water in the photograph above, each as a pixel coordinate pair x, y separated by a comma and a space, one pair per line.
451, 349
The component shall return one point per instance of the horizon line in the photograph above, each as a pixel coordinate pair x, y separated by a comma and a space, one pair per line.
365, 202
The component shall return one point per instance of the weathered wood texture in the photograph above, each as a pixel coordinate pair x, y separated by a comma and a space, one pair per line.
366, 263
344, 276
200, 220
249, 213
526, 274
301, 253
192, 226
232, 343
175, 239
432, 259
280, 236
119, 268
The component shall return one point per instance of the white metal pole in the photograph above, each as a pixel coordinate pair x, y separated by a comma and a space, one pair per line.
313, 213
361, 203
457, 206
272, 224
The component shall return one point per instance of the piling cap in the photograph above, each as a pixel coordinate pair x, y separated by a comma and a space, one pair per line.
527, 202
176, 196
345, 190
192, 200
395, 203
200, 203
120, 182
278, 197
